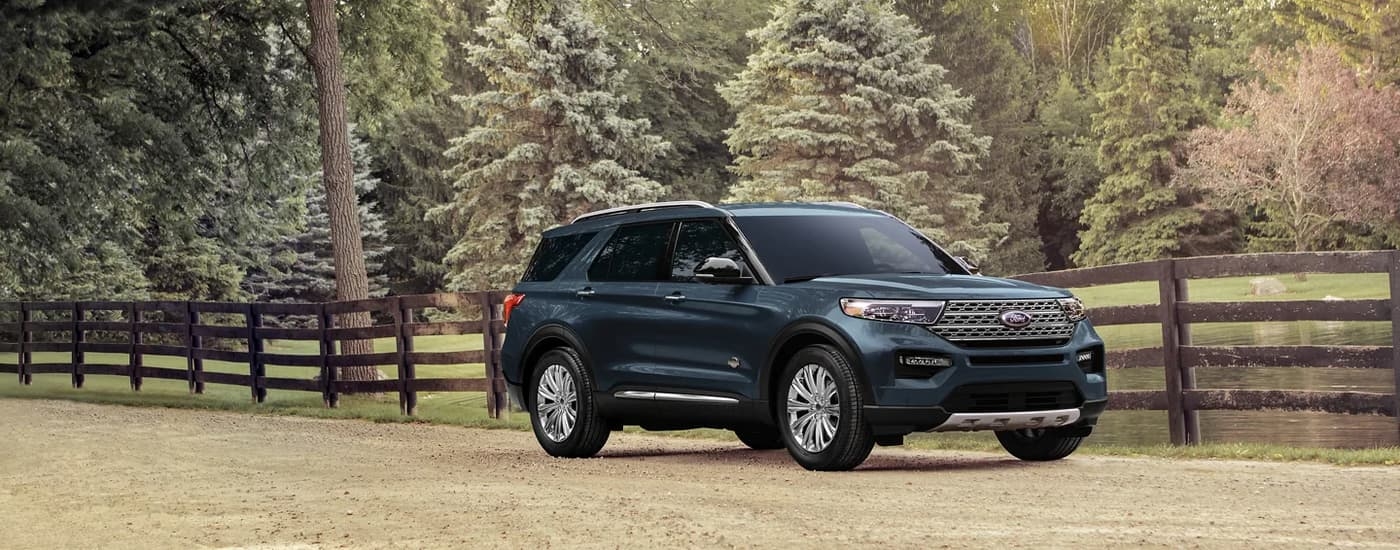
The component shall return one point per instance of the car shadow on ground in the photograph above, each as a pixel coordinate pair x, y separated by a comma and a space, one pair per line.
878, 461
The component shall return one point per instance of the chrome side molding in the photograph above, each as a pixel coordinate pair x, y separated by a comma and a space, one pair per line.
667, 396
967, 422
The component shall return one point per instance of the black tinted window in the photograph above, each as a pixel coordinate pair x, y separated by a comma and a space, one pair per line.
796, 247
553, 254
698, 241
633, 253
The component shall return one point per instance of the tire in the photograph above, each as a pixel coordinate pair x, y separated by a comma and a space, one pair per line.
761, 439
562, 371
814, 443
1038, 445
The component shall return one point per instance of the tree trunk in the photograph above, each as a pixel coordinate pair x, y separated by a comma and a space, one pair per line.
342, 204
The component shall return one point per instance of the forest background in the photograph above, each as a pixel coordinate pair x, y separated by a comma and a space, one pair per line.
170, 149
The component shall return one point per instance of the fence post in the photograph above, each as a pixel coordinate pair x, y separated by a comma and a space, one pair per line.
328, 392
77, 343
193, 343
491, 343
1171, 349
1395, 329
253, 317
26, 357
408, 398
1190, 420
134, 341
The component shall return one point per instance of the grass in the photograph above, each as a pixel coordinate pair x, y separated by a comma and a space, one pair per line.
469, 409
1349, 286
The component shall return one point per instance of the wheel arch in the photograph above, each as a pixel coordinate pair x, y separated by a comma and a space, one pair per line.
801, 334
545, 338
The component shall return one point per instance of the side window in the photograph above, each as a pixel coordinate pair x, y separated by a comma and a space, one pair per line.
553, 254
634, 253
698, 241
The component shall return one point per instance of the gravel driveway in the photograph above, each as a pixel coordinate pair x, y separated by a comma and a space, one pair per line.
77, 475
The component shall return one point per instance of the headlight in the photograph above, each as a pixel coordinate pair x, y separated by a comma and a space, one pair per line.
1073, 308
920, 312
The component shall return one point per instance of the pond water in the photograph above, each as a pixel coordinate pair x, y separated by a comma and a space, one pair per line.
1294, 428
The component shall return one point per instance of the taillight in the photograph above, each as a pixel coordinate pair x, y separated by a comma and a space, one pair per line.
510, 302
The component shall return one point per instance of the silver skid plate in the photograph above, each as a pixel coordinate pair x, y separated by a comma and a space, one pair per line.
967, 422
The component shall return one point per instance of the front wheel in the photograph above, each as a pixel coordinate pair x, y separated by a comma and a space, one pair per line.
562, 412
1038, 445
822, 422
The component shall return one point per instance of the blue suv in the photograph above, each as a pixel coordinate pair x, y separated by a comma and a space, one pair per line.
823, 328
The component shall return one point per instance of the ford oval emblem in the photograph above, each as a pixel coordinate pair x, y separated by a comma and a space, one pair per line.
1015, 319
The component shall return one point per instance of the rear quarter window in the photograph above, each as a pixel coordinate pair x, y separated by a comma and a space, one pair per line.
554, 254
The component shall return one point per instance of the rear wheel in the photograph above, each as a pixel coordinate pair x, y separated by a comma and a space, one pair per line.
1040, 444
760, 439
822, 422
562, 411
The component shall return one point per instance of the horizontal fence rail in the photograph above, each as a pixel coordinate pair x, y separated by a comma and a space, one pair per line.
1174, 312
238, 333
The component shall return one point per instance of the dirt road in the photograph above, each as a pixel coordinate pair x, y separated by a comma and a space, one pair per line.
78, 476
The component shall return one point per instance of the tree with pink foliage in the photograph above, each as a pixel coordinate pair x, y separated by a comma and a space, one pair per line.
1308, 144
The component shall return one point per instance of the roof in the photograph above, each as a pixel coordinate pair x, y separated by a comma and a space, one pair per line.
675, 210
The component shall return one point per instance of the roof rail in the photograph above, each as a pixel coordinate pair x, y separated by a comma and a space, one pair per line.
641, 207
843, 203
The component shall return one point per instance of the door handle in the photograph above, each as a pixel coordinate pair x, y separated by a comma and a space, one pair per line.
585, 292
674, 298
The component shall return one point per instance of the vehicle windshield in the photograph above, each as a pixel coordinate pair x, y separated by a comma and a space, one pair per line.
796, 248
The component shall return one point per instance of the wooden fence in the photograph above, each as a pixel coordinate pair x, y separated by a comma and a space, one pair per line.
1175, 313
238, 333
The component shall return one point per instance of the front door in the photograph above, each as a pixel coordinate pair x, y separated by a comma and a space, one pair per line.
714, 340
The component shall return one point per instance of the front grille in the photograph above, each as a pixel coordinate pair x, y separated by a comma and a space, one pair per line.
1018, 397
979, 321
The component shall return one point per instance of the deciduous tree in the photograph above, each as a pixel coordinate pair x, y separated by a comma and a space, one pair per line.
1309, 143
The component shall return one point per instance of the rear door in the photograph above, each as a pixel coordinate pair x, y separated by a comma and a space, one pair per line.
621, 302
714, 335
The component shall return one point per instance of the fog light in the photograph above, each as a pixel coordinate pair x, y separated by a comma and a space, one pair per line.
909, 365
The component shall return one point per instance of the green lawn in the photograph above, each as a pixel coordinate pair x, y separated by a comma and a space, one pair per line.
1349, 286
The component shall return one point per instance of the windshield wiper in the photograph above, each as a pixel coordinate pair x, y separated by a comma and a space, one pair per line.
801, 278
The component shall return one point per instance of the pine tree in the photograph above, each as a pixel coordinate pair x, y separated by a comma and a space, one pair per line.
302, 266
840, 103
974, 44
550, 144
1147, 103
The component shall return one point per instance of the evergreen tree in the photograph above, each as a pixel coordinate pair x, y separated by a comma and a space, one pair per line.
1068, 167
974, 44
841, 103
550, 143
408, 151
302, 268
1148, 103
676, 55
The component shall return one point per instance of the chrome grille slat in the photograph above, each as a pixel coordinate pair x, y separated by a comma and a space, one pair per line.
978, 320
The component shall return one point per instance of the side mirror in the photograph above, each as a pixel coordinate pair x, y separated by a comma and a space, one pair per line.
721, 271
969, 265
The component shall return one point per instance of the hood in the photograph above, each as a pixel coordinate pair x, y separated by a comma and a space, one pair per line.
935, 287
